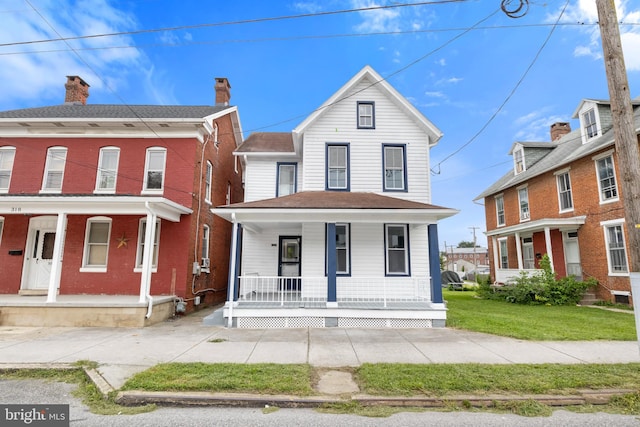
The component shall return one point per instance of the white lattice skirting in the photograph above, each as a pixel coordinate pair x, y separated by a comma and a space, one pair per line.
319, 322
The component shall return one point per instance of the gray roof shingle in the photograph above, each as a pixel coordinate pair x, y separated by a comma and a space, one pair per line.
111, 111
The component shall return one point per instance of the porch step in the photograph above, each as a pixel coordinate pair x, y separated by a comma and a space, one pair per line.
589, 298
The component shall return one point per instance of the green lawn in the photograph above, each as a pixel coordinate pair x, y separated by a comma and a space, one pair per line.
537, 322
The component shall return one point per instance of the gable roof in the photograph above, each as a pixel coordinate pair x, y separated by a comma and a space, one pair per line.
368, 73
111, 111
565, 150
267, 142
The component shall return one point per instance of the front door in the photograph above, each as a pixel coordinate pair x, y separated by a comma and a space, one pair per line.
39, 253
572, 255
289, 262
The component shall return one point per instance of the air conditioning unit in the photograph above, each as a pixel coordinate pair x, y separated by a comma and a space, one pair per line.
206, 263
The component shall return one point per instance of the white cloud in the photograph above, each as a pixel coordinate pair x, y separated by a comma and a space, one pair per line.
585, 11
442, 62
436, 94
307, 7
535, 126
449, 80
42, 74
378, 20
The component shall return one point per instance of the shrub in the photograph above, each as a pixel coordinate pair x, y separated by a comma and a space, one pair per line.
539, 288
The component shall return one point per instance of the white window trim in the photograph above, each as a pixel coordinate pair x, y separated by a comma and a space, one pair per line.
206, 249
528, 218
506, 247
499, 224
146, 171
583, 130
208, 181
99, 169
515, 161
13, 149
613, 223
1, 228
596, 159
46, 171
558, 175
85, 251
138, 267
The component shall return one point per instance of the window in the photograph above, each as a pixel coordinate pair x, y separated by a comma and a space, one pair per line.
500, 210
523, 196
366, 115
518, 159
504, 254
528, 258
205, 241
564, 192
141, 235
616, 252
343, 249
606, 179
215, 134
107, 169
154, 169
286, 179
7, 155
228, 196
589, 123
337, 174
96, 244
1, 227
396, 249
207, 182
395, 175
54, 169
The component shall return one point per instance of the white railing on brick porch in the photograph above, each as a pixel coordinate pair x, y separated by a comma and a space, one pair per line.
286, 290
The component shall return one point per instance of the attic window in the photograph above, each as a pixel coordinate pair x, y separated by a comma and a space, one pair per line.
366, 115
590, 124
129, 125
518, 161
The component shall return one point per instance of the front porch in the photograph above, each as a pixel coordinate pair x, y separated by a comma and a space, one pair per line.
84, 310
280, 302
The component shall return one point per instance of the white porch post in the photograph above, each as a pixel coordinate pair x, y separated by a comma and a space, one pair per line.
519, 251
56, 264
547, 241
232, 271
496, 265
147, 255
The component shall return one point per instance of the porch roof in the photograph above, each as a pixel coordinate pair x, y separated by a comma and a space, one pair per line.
540, 225
91, 205
333, 206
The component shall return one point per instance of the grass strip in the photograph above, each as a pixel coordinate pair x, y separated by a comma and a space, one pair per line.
537, 322
388, 379
264, 378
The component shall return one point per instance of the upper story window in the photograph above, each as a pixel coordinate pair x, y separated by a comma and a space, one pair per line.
518, 161
337, 173
396, 244
286, 179
500, 210
523, 197
395, 170
7, 155
207, 182
616, 248
366, 115
142, 229
154, 170
107, 169
96, 244
565, 197
589, 123
606, 179
54, 169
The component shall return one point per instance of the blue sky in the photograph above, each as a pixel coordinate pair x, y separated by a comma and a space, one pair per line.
457, 62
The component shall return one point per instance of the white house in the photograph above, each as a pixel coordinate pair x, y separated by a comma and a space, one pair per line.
337, 227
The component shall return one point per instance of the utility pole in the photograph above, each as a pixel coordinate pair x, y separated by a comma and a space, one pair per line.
626, 141
475, 260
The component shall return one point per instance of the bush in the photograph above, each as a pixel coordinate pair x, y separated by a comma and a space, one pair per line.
539, 288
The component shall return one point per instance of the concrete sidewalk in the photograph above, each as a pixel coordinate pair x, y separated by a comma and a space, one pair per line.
121, 353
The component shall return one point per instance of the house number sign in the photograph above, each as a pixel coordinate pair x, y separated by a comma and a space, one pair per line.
16, 209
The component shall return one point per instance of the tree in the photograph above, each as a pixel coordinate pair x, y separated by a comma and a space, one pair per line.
465, 244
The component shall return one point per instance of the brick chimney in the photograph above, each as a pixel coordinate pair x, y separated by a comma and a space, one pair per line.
77, 91
223, 91
558, 130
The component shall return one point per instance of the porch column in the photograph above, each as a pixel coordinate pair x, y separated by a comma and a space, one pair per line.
56, 264
519, 251
547, 241
332, 296
147, 255
434, 264
233, 289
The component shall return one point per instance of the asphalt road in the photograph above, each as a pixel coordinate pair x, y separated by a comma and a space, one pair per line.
41, 392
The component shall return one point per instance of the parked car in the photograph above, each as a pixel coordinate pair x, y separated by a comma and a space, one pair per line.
451, 280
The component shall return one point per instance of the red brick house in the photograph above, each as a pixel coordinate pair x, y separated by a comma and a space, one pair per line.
78, 185
563, 198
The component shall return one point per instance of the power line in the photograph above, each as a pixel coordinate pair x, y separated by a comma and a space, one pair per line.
509, 96
227, 23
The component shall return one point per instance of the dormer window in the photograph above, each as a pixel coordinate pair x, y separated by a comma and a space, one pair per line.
366, 115
590, 124
518, 161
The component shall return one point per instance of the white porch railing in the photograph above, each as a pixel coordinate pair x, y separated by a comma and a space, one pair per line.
285, 291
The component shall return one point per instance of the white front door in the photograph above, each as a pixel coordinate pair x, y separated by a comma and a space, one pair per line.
39, 253
572, 255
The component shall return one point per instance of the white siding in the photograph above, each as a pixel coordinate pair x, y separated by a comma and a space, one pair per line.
392, 126
419, 247
367, 250
261, 176
260, 251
